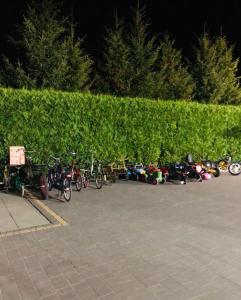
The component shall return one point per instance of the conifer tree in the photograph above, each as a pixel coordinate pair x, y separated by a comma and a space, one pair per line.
173, 78
215, 71
113, 73
50, 55
143, 56
129, 59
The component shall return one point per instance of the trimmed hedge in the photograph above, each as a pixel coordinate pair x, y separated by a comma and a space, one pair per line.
52, 122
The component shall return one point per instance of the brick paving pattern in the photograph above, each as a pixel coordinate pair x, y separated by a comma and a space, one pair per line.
132, 241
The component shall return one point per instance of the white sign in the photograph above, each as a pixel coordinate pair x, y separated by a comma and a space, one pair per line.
16, 155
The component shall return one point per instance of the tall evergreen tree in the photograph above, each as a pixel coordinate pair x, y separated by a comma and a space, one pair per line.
113, 73
79, 64
215, 71
129, 59
51, 57
173, 78
143, 56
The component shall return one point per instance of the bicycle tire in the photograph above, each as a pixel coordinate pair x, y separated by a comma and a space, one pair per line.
113, 177
223, 165
22, 190
50, 182
216, 172
44, 189
235, 169
78, 183
85, 181
67, 190
98, 181
107, 179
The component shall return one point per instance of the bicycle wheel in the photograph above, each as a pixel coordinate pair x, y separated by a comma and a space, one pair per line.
98, 181
85, 181
43, 187
223, 165
50, 182
22, 190
216, 172
78, 183
234, 169
113, 177
107, 180
67, 190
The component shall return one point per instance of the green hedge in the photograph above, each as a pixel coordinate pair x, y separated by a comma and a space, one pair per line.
51, 122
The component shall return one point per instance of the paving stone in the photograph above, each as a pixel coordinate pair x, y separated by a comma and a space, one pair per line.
51, 297
22, 277
87, 294
38, 277
11, 292
5, 280
122, 287
13, 255
119, 276
72, 276
160, 291
32, 265
99, 286
109, 297
140, 294
5, 270
81, 286
67, 293
51, 270
85, 272
29, 292
59, 282
44, 288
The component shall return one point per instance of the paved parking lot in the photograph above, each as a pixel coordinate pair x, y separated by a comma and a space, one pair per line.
132, 241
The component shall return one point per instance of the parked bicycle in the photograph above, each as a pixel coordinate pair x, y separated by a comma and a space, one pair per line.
59, 177
34, 176
92, 174
76, 176
76, 179
227, 164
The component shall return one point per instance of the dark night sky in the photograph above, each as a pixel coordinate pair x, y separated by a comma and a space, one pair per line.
184, 20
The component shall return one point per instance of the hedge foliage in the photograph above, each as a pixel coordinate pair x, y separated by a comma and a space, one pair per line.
51, 122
